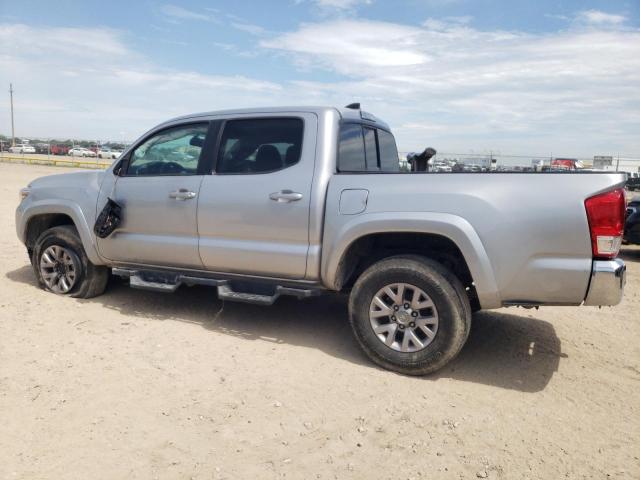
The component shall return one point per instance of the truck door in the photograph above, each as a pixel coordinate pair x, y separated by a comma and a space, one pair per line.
159, 194
253, 211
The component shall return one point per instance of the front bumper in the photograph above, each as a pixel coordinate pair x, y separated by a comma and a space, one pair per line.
606, 287
20, 226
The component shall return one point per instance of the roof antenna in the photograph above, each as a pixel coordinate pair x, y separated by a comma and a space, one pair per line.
353, 106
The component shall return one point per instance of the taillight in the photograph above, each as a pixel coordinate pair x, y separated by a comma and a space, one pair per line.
605, 213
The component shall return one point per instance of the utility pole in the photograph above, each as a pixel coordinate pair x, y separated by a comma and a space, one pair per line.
13, 133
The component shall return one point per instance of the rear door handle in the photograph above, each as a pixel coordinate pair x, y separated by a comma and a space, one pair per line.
182, 194
285, 196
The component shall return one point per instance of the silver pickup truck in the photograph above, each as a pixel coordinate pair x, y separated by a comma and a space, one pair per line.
306, 201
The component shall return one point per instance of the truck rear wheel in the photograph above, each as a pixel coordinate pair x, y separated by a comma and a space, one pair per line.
410, 314
62, 266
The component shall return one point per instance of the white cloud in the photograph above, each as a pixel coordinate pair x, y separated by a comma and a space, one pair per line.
77, 42
447, 22
85, 82
445, 84
248, 28
340, 4
597, 17
234, 49
571, 90
353, 47
181, 13
175, 14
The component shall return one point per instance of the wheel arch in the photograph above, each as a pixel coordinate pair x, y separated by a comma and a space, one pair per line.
446, 238
41, 217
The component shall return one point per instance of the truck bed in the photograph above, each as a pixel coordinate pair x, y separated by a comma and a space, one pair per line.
525, 236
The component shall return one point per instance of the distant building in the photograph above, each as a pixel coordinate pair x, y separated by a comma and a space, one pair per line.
617, 164
601, 161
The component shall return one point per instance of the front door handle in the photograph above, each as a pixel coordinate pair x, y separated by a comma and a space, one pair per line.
182, 194
285, 196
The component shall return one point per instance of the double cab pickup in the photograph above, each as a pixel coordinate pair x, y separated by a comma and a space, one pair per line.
305, 201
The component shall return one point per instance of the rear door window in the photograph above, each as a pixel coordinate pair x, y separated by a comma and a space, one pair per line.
260, 145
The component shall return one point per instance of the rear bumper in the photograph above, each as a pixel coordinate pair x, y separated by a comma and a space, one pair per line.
606, 287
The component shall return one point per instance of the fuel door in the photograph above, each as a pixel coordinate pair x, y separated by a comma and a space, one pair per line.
353, 201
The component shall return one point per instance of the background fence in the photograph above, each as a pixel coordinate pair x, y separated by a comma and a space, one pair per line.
59, 161
629, 164
478, 160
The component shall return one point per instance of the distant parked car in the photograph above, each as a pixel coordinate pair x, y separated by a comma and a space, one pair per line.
22, 148
633, 182
81, 152
566, 164
42, 148
441, 167
106, 152
57, 149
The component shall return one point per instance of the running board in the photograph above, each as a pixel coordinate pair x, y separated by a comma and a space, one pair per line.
159, 282
225, 292
136, 281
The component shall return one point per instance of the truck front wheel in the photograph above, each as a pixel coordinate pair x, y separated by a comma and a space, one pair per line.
410, 314
62, 267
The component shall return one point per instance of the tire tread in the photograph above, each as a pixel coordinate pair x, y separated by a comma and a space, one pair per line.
94, 278
443, 280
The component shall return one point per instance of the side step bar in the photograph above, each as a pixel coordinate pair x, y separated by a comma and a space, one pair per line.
225, 292
227, 289
136, 281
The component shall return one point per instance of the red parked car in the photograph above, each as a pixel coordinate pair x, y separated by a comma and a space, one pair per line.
57, 149
566, 164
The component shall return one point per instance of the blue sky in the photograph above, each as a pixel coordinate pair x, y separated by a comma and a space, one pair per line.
460, 75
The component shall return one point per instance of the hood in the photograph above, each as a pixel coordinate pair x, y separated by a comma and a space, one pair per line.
75, 179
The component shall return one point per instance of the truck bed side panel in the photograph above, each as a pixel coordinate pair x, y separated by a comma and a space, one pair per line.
532, 228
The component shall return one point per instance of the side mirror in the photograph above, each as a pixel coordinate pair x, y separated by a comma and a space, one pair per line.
196, 141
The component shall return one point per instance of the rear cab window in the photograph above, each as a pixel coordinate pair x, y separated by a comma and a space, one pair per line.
365, 148
351, 156
389, 158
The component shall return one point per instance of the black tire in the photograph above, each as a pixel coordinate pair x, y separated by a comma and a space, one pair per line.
448, 296
91, 279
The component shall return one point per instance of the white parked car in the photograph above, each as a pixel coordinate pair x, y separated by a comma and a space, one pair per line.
22, 148
81, 152
441, 167
106, 152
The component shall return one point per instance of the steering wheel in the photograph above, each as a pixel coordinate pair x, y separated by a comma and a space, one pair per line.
159, 168
172, 167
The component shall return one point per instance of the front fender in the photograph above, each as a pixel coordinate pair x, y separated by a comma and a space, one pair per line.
28, 210
457, 229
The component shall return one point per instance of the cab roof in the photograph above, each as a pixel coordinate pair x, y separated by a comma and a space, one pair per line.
350, 114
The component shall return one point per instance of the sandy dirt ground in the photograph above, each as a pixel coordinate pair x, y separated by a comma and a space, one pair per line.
145, 385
